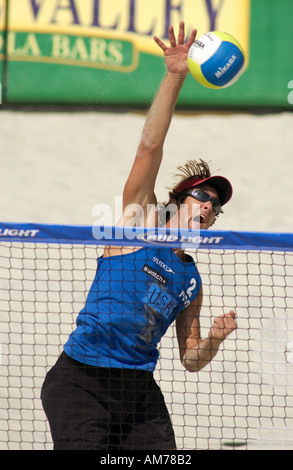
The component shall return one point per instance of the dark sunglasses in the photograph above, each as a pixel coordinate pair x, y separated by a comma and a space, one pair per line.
203, 196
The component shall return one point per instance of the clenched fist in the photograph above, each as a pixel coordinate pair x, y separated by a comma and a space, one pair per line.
223, 326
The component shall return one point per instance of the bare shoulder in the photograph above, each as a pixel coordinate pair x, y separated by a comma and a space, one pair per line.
119, 250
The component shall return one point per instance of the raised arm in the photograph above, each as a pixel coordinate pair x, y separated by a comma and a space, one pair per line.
140, 185
196, 353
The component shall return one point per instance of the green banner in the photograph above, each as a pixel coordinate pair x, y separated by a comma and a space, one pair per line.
101, 52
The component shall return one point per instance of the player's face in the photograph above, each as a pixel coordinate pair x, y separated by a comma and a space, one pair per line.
200, 215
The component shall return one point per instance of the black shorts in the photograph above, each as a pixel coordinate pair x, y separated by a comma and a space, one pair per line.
95, 408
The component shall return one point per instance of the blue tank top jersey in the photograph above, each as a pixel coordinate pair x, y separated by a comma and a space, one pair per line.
131, 303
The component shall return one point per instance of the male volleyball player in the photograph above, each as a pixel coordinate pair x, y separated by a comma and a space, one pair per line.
101, 393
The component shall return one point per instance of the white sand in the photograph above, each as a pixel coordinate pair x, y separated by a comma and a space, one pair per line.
56, 167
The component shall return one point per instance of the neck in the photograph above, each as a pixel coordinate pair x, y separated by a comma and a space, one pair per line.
181, 254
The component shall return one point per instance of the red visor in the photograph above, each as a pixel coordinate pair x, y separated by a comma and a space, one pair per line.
221, 185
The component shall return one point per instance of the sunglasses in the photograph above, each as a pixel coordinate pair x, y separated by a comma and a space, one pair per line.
203, 196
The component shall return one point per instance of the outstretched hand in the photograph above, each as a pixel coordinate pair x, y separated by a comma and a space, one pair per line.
176, 53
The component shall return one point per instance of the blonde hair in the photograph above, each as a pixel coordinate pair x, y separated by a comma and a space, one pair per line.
192, 169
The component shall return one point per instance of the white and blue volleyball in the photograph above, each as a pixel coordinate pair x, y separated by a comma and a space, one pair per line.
216, 60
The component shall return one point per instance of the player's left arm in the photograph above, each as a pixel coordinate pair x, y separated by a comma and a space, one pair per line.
196, 353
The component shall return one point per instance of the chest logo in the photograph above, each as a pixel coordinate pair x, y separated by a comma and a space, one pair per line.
155, 274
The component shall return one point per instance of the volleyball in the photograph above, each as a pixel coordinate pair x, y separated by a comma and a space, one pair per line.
216, 60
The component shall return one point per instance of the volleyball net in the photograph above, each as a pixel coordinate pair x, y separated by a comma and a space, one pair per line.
242, 399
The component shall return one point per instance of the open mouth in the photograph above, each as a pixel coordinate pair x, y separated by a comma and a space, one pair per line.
200, 219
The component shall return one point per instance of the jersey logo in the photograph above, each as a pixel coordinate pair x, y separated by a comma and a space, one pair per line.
162, 265
158, 309
160, 300
155, 274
